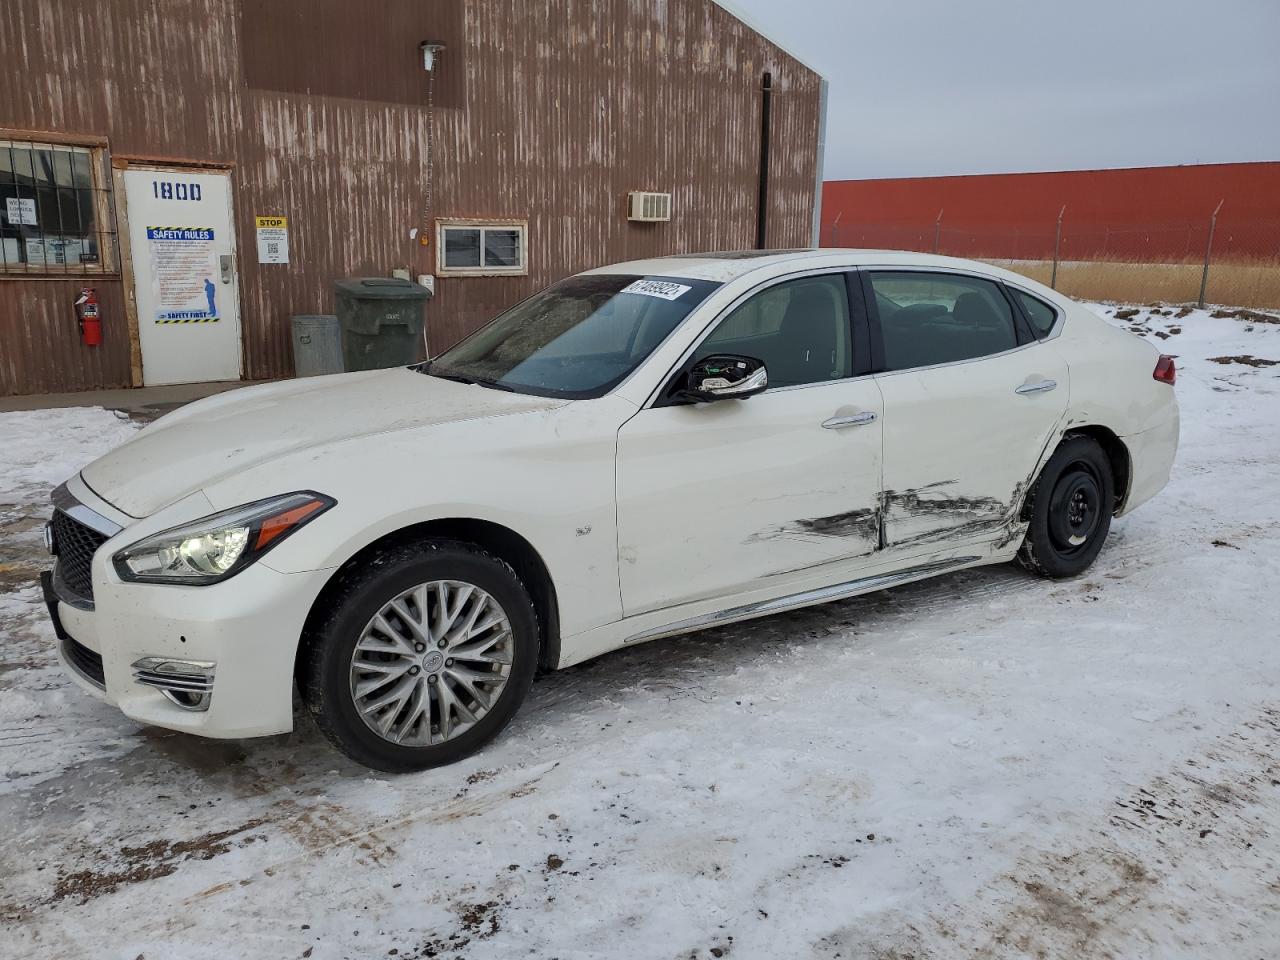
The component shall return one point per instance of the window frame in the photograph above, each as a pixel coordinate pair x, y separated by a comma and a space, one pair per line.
664, 394
1023, 332
101, 187
458, 223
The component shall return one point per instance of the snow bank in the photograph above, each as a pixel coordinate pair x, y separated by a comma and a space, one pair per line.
42, 448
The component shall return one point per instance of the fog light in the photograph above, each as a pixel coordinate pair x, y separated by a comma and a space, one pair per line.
185, 683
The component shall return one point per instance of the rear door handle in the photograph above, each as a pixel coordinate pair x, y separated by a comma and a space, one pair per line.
857, 420
1042, 386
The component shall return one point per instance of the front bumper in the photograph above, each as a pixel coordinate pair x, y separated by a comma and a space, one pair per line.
247, 629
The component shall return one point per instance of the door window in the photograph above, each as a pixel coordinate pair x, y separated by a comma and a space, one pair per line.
800, 329
931, 318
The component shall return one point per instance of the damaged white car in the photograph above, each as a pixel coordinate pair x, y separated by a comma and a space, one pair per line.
638, 451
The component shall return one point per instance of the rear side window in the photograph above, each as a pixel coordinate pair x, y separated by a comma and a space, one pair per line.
932, 318
1041, 315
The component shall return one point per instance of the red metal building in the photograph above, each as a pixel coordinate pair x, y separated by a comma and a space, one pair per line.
1155, 214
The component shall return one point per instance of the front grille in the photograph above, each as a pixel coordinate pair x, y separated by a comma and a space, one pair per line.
84, 660
75, 544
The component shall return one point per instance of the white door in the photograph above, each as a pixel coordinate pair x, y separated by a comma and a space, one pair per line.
967, 410
184, 274
717, 498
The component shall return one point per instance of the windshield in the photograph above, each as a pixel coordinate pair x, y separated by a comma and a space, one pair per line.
577, 339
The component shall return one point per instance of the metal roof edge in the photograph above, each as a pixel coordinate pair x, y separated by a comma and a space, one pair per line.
737, 13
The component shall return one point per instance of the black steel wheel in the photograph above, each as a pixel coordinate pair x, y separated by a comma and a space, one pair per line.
1069, 510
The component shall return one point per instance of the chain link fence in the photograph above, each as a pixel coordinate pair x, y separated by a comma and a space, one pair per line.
1212, 261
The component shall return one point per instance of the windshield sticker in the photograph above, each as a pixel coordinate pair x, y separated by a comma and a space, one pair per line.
661, 289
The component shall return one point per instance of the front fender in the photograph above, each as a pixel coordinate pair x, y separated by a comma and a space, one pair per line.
547, 476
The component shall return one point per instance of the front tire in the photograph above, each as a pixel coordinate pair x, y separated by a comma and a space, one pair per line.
423, 656
1069, 509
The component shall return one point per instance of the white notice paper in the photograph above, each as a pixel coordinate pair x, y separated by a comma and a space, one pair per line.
662, 289
20, 210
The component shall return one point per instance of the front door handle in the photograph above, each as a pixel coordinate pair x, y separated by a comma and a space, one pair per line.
226, 264
856, 420
1041, 386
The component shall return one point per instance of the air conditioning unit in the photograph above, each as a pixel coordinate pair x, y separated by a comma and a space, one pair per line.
650, 207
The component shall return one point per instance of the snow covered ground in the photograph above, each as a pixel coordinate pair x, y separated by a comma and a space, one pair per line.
985, 764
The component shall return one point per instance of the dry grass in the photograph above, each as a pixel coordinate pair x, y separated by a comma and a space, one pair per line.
1250, 284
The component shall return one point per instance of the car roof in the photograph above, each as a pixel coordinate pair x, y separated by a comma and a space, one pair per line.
726, 265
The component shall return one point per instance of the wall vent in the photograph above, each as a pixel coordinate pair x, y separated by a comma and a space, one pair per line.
650, 207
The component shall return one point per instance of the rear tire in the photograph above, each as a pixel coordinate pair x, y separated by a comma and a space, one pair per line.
423, 656
1069, 509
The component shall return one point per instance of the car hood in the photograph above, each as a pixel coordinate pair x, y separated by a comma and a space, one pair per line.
210, 439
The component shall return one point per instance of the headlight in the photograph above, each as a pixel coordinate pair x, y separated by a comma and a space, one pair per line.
216, 547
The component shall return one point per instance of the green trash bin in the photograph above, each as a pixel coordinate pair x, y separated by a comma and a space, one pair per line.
381, 320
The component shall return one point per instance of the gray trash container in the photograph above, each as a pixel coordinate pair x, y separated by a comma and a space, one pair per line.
317, 345
381, 320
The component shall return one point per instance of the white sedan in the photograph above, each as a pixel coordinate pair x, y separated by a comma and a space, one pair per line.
638, 451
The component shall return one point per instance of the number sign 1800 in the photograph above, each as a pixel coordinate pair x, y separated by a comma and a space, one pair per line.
168, 190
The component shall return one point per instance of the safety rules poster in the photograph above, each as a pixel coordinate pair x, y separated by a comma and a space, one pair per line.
183, 274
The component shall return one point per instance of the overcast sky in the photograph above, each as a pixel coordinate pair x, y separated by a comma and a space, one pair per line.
930, 87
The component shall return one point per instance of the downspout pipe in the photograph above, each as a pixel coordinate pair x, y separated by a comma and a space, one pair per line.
822, 151
762, 201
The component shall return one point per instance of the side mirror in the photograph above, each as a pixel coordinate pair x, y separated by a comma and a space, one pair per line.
725, 376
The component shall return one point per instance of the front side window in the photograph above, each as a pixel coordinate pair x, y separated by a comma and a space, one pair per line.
931, 318
577, 339
799, 328
52, 204
482, 248
1041, 315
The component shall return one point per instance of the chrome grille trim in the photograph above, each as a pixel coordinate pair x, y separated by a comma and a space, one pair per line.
64, 500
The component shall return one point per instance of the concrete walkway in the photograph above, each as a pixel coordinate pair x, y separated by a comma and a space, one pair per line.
143, 403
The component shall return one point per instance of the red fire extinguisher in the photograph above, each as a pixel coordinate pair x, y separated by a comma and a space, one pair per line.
90, 322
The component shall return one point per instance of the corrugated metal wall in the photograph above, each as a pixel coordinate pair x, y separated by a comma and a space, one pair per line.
1156, 214
585, 102
156, 79
40, 349
549, 112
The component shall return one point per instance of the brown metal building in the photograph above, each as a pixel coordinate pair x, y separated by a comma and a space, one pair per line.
527, 138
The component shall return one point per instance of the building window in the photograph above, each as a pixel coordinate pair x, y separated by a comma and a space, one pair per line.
55, 209
481, 248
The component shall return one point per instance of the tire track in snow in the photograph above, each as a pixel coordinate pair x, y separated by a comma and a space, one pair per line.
1131, 890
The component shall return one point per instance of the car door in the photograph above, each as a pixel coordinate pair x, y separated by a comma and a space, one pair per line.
971, 399
717, 498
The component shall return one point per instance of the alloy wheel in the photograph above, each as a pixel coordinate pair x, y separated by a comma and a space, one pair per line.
431, 663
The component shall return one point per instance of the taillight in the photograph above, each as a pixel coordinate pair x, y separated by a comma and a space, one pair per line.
1165, 372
